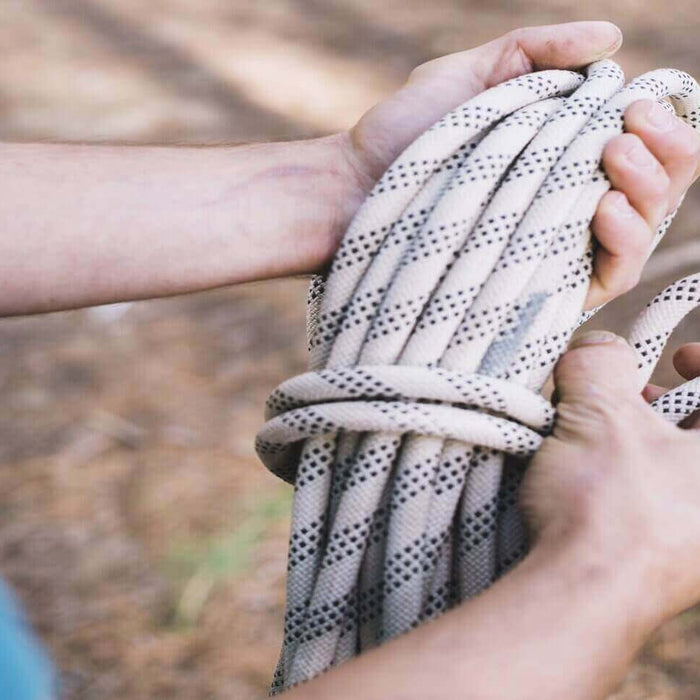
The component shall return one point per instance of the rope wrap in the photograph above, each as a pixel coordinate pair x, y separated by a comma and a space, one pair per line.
454, 291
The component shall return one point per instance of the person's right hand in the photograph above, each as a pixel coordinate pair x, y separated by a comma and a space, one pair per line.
650, 166
618, 482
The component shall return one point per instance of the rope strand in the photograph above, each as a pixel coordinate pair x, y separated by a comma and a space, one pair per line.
455, 290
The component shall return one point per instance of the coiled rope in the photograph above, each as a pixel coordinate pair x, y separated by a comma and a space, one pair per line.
455, 290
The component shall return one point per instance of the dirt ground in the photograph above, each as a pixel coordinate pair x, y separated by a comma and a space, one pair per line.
136, 523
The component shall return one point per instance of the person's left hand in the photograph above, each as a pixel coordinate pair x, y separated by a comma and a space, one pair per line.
617, 483
650, 166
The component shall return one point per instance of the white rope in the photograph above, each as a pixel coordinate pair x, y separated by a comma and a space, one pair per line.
455, 290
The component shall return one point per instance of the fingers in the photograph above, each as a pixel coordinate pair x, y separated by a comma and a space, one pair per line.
633, 169
552, 46
598, 364
520, 51
653, 164
651, 392
687, 361
597, 386
624, 239
567, 45
624, 224
674, 144
442, 84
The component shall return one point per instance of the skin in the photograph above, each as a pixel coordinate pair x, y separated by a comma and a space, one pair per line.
616, 552
95, 224
616, 533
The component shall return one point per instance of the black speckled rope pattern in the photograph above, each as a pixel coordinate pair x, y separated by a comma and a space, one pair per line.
455, 290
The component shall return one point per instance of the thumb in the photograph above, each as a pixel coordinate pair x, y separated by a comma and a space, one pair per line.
596, 378
570, 45
442, 84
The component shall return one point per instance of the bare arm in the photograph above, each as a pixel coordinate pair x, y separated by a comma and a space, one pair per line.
562, 625
84, 225
93, 224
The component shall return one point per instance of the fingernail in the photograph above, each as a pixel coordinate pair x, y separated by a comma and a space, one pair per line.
638, 155
596, 338
660, 118
622, 205
617, 43
614, 45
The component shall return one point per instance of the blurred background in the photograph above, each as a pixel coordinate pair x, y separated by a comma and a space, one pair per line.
136, 523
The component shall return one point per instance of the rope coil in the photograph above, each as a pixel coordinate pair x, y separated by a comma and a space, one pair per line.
454, 291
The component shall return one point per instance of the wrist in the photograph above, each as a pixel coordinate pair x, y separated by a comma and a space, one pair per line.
619, 584
333, 186
356, 186
301, 197
359, 171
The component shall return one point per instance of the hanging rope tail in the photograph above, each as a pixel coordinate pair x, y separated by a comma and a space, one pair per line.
455, 290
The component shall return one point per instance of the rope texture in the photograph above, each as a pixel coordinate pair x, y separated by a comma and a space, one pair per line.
455, 290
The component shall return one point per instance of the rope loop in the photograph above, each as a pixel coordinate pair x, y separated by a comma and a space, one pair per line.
455, 290
402, 399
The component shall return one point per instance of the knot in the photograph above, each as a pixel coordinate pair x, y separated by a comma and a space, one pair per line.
431, 401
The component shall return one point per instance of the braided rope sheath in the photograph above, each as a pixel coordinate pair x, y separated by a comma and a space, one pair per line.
455, 290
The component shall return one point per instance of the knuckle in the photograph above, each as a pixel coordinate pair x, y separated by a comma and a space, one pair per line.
619, 145
606, 215
585, 360
420, 70
635, 112
516, 36
578, 361
602, 419
688, 148
601, 405
565, 45
637, 249
606, 221
513, 45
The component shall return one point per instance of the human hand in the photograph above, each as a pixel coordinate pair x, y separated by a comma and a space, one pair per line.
650, 166
613, 502
616, 482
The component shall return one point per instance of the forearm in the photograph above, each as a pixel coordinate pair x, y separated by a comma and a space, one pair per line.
84, 225
556, 627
